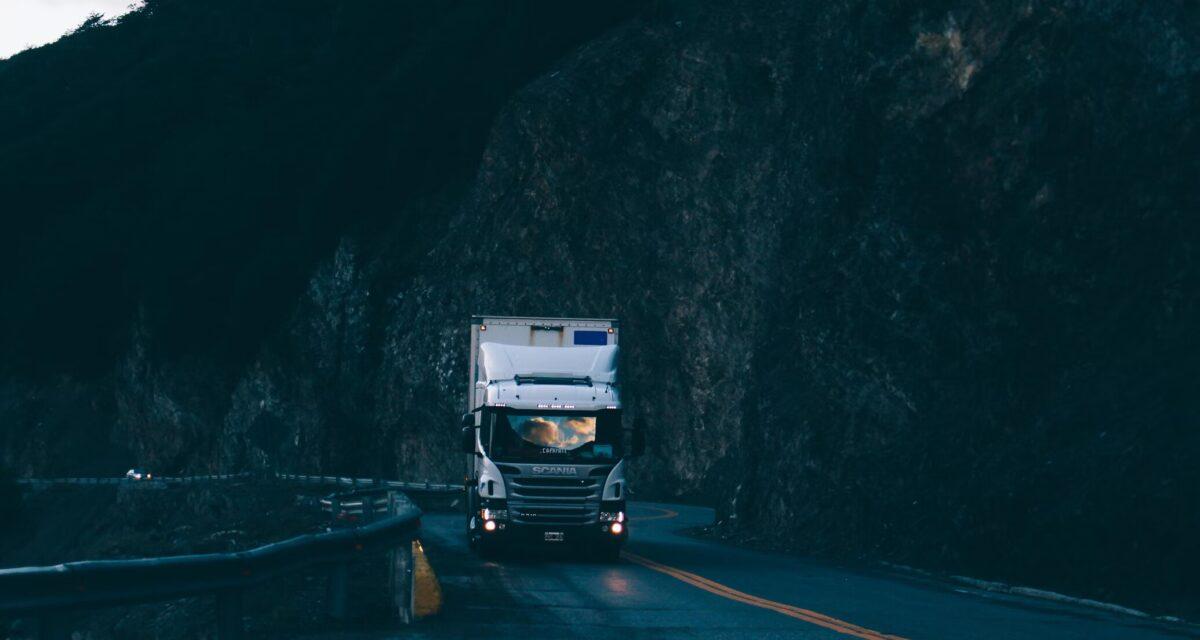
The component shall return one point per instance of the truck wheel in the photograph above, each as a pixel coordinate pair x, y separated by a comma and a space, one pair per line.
487, 549
608, 553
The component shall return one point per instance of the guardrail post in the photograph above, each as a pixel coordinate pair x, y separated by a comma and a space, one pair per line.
337, 595
368, 507
401, 566
400, 569
230, 625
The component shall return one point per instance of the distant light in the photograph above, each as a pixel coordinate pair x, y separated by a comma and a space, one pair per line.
489, 525
610, 330
616, 528
483, 327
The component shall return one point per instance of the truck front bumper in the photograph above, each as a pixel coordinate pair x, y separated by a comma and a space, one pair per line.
588, 534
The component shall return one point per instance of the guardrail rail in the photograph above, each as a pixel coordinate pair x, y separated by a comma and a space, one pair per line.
340, 481
391, 524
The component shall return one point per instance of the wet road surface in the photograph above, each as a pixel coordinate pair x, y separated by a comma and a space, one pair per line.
671, 585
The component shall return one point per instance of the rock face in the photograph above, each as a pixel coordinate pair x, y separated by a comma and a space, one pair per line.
911, 282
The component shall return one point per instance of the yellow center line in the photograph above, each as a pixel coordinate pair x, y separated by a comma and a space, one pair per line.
811, 617
662, 515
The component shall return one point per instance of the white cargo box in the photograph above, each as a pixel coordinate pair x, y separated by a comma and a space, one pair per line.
547, 333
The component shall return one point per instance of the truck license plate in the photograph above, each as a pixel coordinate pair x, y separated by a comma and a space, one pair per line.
554, 536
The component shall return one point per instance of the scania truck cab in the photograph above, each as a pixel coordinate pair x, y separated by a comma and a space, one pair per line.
546, 446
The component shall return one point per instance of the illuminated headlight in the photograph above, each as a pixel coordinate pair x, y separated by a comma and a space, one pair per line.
617, 528
612, 516
493, 514
489, 525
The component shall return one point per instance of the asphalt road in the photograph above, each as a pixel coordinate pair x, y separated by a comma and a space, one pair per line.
670, 585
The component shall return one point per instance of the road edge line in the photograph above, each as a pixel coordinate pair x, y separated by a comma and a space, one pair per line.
427, 589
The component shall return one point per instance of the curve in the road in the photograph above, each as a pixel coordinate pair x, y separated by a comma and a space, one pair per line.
662, 514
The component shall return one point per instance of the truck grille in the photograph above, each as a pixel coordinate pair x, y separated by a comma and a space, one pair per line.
554, 501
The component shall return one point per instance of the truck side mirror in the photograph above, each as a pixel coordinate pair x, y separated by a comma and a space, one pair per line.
638, 446
468, 420
468, 440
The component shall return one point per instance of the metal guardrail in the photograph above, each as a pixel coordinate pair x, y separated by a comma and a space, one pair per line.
43, 592
47, 482
339, 481
427, 486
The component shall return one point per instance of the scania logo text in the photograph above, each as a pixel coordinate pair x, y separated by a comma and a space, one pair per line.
557, 470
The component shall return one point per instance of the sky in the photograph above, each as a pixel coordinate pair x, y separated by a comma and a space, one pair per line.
26, 23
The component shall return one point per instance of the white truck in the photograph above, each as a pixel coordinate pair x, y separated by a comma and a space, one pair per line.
546, 446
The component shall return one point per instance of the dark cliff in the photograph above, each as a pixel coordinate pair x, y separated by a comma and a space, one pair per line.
899, 282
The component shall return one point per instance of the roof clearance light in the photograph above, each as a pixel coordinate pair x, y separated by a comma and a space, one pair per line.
611, 406
610, 329
568, 406
543, 406
483, 327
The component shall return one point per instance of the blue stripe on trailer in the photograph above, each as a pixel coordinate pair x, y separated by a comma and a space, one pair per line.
591, 337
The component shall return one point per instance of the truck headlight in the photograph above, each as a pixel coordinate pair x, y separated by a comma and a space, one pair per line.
493, 514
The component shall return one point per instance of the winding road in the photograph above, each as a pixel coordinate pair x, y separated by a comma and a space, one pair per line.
671, 585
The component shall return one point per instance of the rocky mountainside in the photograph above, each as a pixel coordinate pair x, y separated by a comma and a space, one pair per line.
915, 282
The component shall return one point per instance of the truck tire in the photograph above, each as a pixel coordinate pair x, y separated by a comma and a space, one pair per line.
487, 549
608, 553
472, 537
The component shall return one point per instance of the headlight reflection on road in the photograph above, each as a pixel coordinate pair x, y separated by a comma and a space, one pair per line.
615, 582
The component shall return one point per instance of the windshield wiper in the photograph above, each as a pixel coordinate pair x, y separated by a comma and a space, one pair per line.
549, 378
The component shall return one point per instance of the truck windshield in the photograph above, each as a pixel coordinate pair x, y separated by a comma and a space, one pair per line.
540, 435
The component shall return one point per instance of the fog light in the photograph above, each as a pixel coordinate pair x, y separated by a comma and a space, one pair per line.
616, 528
489, 525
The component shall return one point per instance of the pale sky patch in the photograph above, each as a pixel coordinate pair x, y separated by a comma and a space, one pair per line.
31, 23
